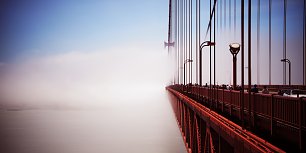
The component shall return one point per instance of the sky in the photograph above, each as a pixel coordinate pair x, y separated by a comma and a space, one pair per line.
58, 49
85, 76
75, 51
48, 27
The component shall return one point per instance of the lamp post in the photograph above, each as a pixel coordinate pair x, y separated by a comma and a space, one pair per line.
287, 60
205, 43
234, 48
185, 62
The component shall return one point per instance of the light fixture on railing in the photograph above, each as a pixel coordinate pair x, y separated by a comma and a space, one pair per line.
234, 48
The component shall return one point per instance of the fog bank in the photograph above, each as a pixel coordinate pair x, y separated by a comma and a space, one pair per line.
83, 79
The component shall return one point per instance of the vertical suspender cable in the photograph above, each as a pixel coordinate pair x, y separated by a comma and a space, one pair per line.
196, 41
186, 40
242, 64
214, 48
284, 39
217, 16
235, 18
189, 49
169, 24
230, 14
210, 12
200, 53
304, 54
258, 41
176, 39
224, 14
249, 54
190, 16
173, 13
270, 6
181, 41
221, 14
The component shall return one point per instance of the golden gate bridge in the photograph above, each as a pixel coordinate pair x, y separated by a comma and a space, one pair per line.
238, 117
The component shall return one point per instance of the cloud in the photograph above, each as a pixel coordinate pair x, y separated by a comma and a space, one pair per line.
83, 79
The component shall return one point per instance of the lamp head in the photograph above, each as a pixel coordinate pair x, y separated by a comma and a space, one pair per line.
234, 48
168, 44
188, 60
209, 43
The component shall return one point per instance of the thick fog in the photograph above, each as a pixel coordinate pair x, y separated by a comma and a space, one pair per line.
83, 79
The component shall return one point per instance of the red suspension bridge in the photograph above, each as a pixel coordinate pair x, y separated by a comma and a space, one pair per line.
236, 117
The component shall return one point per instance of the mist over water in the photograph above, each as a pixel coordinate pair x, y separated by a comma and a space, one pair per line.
82, 79
148, 126
85, 77
112, 101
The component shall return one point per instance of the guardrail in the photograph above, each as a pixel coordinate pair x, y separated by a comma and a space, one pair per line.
283, 117
301, 87
196, 122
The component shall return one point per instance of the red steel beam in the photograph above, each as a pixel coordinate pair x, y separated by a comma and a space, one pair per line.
254, 142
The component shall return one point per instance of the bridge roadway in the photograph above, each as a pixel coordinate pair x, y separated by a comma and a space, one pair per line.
216, 113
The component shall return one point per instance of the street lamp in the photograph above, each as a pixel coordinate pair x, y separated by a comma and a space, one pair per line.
287, 60
205, 43
234, 48
186, 61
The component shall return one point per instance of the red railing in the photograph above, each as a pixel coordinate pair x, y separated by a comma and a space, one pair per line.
286, 109
262, 105
265, 109
196, 122
278, 87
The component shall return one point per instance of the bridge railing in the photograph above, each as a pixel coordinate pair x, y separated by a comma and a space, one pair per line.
263, 103
284, 108
278, 87
199, 125
267, 111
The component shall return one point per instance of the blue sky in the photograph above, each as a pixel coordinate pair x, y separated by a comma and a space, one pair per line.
47, 27
62, 52
67, 52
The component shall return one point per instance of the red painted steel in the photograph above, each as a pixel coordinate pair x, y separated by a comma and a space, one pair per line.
278, 87
283, 117
184, 107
